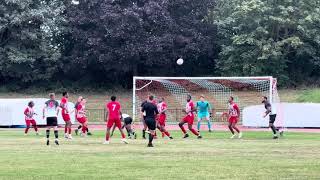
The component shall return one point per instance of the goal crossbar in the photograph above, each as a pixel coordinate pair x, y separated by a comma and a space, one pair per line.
235, 79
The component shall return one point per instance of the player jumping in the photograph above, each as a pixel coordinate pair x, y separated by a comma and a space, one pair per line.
65, 115
272, 117
204, 111
233, 117
162, 108
50, 112
29, 113
189, 118
81, 116
113, 114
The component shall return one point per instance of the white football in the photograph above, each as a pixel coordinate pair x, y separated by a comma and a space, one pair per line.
180, 61
75, 2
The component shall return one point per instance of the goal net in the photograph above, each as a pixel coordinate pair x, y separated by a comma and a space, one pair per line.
247, 91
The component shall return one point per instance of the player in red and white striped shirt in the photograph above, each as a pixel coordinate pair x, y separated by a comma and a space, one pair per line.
162, 108
233, 117
29, 112
81, 116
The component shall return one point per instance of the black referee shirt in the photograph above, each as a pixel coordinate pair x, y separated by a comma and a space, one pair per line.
150, 109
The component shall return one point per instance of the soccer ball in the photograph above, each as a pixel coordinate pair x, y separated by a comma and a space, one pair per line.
75, 2
180, 61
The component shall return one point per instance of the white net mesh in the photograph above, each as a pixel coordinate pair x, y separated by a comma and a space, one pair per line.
246, 92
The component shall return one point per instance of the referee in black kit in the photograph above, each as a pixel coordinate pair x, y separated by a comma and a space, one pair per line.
150, 110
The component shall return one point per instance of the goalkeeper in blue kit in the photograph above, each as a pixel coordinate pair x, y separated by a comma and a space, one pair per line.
204, 111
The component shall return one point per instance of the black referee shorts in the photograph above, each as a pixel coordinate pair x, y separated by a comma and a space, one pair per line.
52, 121
272, 118
127, 120
151, 123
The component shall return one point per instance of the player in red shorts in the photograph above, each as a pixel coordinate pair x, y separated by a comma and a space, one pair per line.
113, 115
162, 108
81, 116
29, 112
65, 115
233, 117
189, 118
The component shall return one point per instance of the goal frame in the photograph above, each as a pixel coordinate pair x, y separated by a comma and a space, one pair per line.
135, 78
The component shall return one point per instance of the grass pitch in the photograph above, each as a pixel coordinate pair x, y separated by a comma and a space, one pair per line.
256, 156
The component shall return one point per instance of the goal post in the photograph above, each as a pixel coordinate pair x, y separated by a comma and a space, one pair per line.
247, 91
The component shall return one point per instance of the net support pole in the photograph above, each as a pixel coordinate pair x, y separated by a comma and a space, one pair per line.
134, 99
270, 90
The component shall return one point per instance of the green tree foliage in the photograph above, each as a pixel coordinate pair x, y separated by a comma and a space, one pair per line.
268, 37
113, 40
29, 30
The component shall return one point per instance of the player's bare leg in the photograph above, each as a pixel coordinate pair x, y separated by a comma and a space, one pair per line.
181, 123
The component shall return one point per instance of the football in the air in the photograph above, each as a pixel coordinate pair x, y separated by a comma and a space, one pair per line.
180, 61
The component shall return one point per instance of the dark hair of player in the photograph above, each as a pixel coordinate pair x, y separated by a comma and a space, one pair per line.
150, 97
51, 95
231, 97
64, 93
30, 104
265, 97
113, 98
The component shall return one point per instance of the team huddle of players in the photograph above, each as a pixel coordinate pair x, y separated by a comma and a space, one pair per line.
153, 115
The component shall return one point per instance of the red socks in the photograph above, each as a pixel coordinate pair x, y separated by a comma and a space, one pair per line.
84, 129
183, 130
194, 132
123, 135
107, 137
26, 130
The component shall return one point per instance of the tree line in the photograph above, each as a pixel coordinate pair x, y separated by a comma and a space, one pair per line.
103, 43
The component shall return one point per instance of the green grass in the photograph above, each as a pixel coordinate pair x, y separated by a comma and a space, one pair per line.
312, 95
256, 156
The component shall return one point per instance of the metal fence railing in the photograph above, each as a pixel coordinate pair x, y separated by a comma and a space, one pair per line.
173, 115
